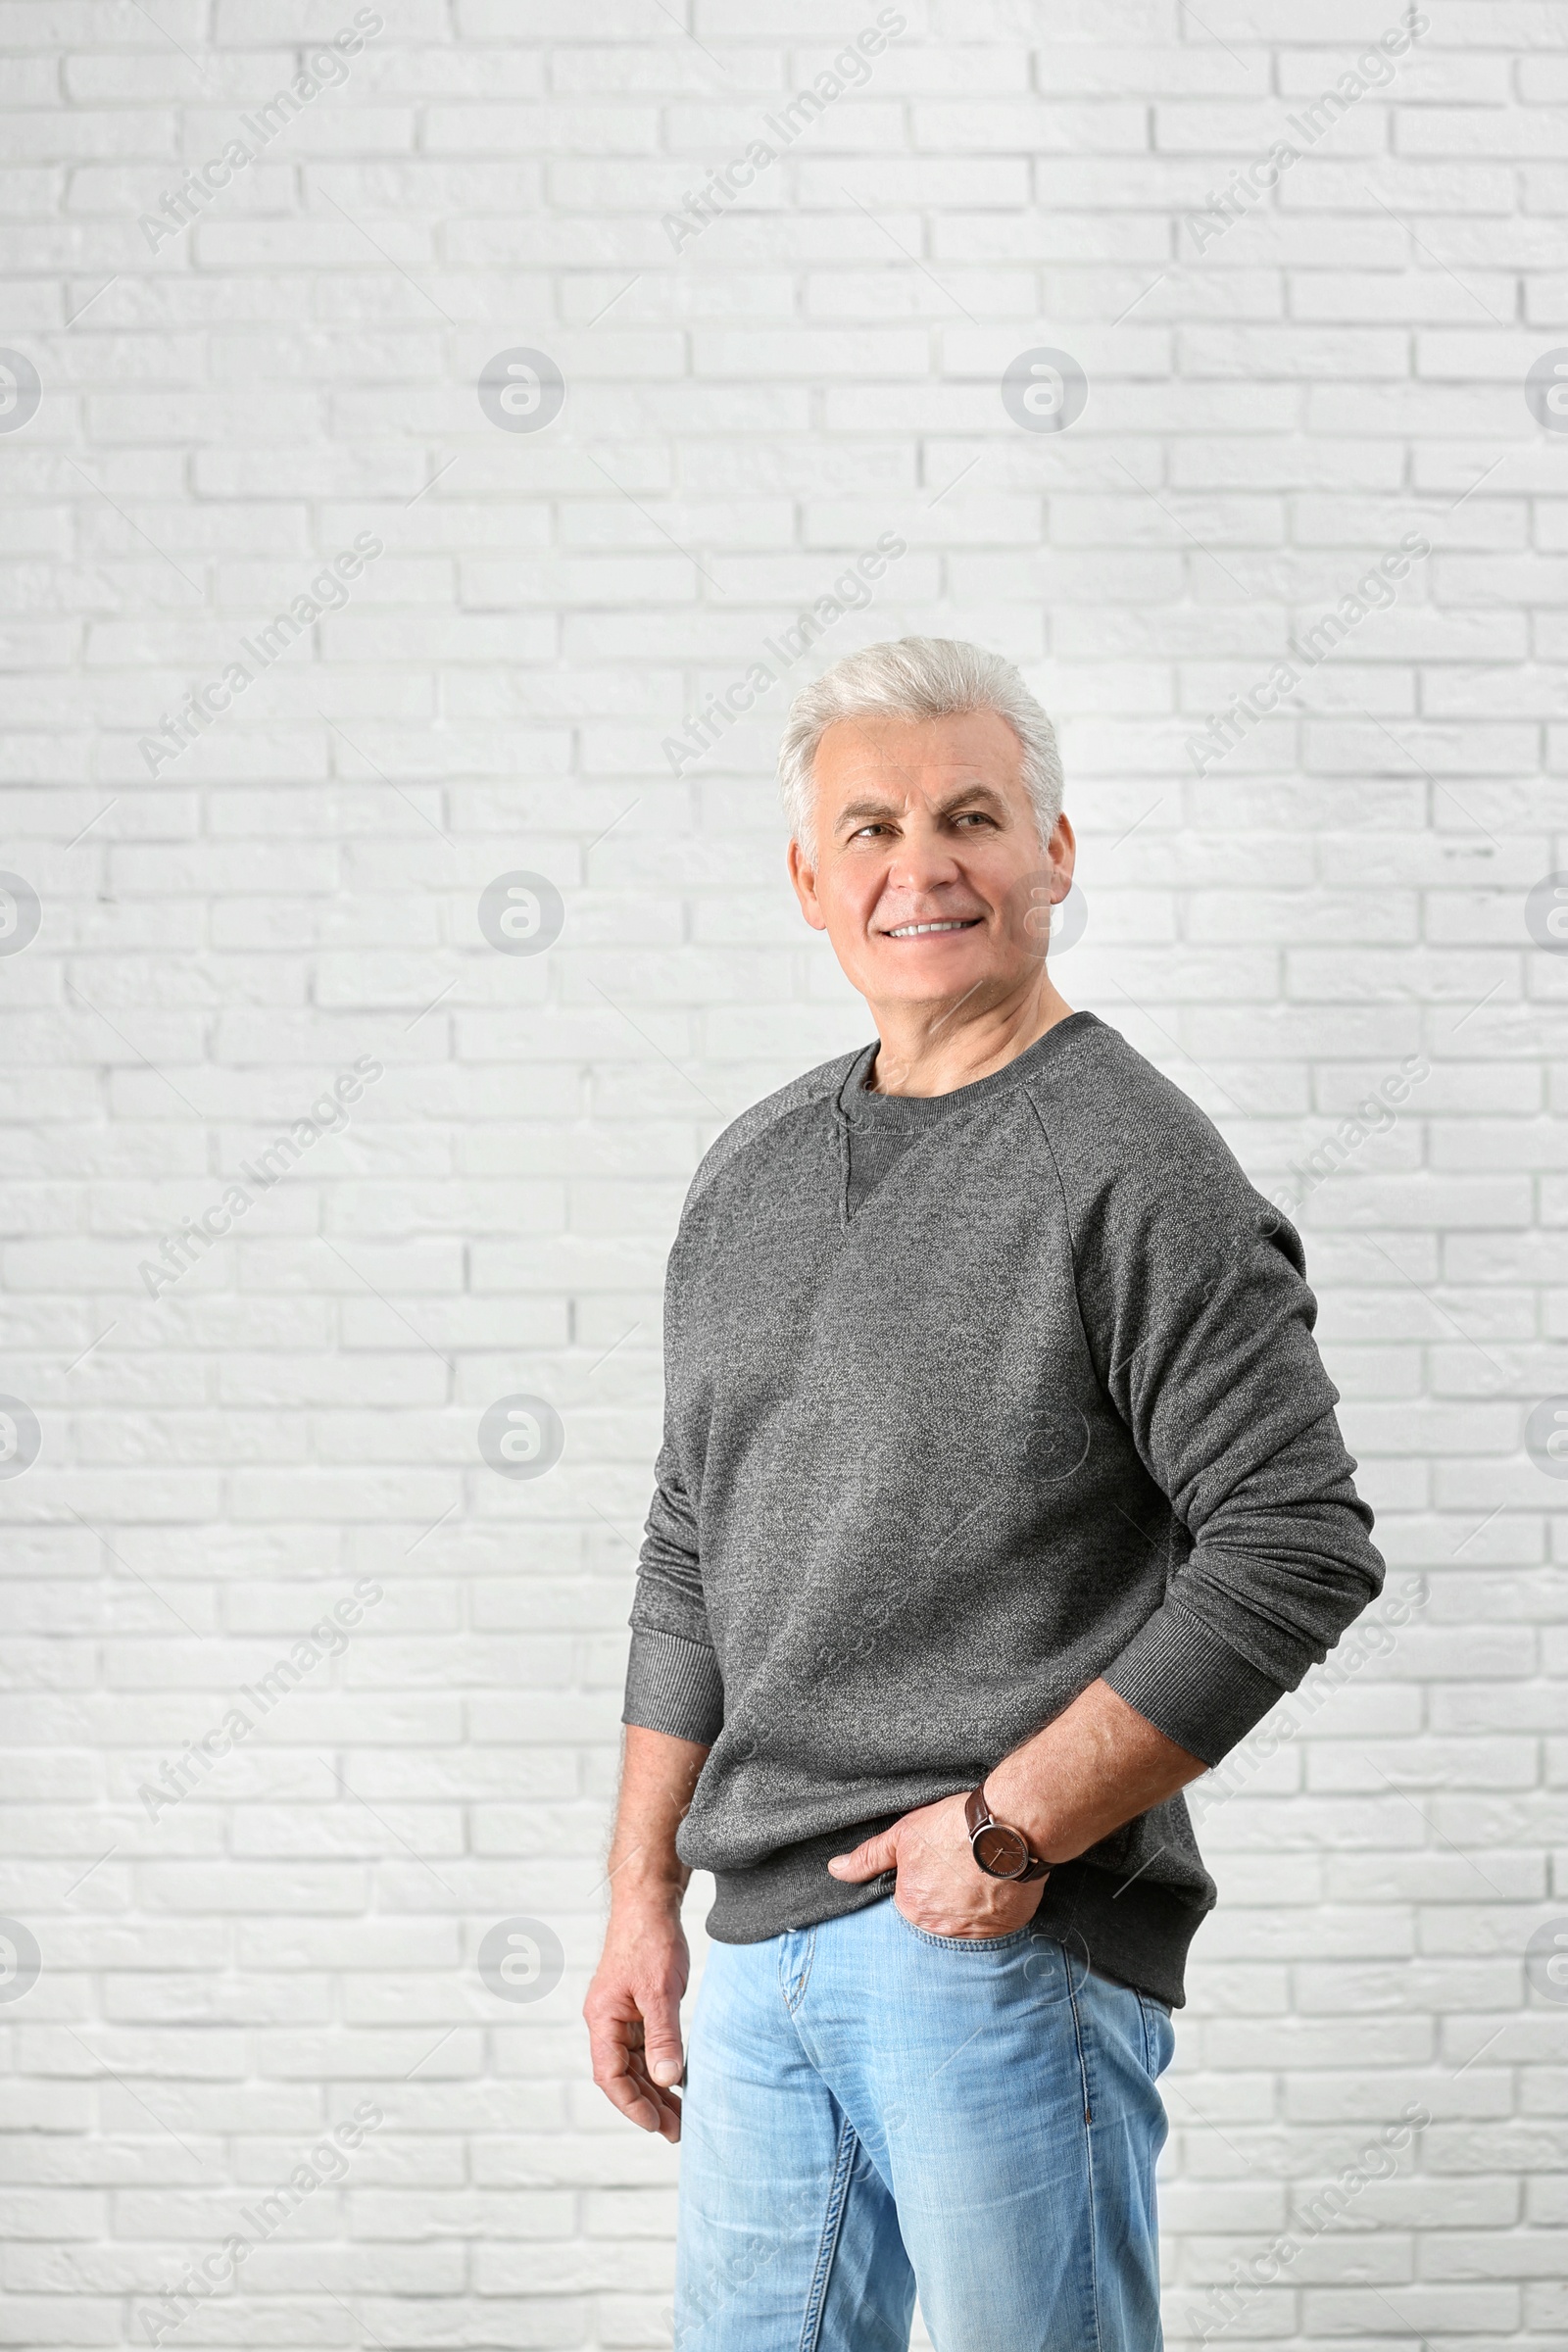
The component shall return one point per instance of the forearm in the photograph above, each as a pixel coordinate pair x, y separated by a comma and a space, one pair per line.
657, 1776
1096, 1765
633, 2004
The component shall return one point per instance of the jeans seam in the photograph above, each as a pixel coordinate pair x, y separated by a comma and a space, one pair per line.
1089, 2163
791, 2001
832, 2221
1151, 2010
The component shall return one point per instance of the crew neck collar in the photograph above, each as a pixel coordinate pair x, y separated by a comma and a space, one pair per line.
866, 1109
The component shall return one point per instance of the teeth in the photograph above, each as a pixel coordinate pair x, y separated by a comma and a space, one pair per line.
915, 930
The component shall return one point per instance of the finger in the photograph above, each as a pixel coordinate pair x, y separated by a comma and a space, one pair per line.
637, 2099
868, 1860
663, 2104
618, 2073
662, 2036
616, 2033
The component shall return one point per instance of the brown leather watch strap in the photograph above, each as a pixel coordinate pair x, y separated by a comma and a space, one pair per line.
1000, 1851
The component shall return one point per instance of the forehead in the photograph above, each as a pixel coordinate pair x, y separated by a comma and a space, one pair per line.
898, 757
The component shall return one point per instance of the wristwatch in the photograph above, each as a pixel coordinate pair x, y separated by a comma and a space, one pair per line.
1000, 1852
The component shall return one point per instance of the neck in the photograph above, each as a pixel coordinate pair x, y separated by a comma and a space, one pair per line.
932, 1048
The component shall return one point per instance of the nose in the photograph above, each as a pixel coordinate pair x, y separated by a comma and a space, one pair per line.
924, 859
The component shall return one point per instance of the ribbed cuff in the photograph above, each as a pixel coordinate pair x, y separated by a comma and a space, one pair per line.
673, 1686
1190, 1685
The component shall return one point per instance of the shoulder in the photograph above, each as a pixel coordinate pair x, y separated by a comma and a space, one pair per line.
1108, 1105
1134, 1151
765, 1120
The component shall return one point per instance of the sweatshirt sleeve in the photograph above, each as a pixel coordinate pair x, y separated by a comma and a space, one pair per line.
1199, 1318
673, 1679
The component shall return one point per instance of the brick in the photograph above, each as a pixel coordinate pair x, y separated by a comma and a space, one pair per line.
1267, 415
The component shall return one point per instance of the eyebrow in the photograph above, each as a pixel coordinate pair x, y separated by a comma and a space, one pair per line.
856, 812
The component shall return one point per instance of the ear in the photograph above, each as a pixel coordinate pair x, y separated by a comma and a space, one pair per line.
804, 877
1063, 850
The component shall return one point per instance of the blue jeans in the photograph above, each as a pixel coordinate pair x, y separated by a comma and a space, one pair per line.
869, 2108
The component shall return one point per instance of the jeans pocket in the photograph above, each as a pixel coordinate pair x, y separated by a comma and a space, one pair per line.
967, 1944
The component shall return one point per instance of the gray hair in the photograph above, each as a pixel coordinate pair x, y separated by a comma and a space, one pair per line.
916, 678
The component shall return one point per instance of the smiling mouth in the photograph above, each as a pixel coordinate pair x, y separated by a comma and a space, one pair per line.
923, 930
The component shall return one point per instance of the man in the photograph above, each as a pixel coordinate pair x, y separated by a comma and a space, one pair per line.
1000, 1495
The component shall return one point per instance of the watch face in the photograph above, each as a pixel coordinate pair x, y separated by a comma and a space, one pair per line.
1001, 1852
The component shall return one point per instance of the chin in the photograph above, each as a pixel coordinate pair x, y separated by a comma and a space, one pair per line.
935, 976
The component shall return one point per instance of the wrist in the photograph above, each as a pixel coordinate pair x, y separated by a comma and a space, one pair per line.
1016, 1799
640, 1888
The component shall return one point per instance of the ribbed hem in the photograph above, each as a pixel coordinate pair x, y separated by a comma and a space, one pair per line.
1190, 1685
673, 1686
1134, 1930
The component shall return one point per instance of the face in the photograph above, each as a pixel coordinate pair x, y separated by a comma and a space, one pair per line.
929, 874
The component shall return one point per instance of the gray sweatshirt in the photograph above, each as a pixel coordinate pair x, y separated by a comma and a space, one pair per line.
1027, 1396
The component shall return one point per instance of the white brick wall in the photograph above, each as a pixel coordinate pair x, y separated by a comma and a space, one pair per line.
1270, 410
